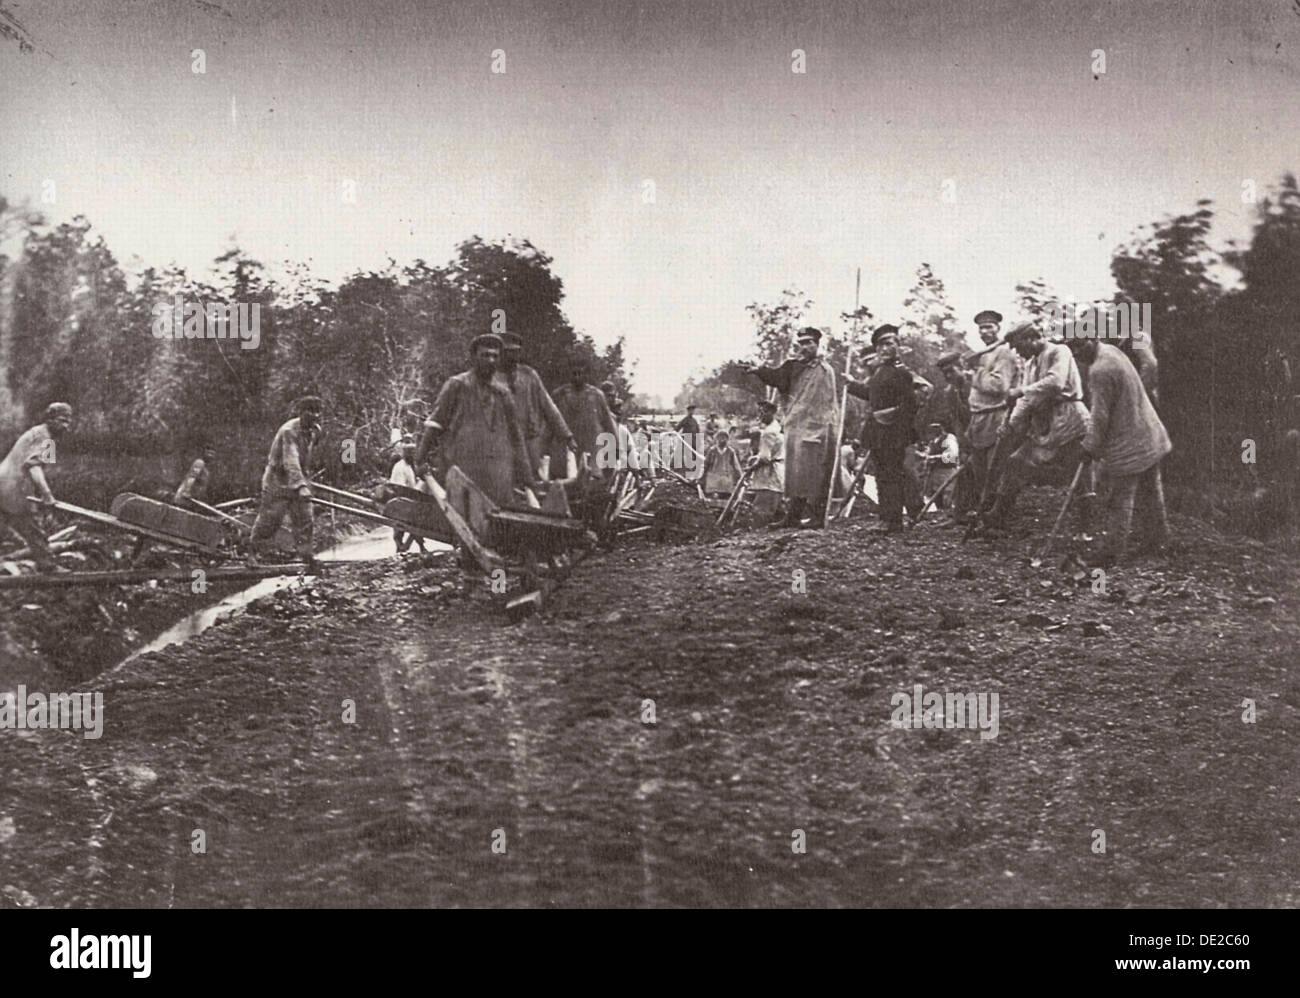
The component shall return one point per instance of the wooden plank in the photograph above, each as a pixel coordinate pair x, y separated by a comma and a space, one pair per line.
471, 502
486, 558
63, 580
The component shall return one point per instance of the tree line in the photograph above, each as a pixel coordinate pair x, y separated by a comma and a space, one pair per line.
76, 326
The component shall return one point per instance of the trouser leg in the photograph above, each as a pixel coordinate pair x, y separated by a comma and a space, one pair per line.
26, 527
401, 539
1119, 515
300, 515
270, 514
889, 484
979, 470
1151, 503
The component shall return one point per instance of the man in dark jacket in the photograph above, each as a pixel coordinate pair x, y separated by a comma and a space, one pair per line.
890, 425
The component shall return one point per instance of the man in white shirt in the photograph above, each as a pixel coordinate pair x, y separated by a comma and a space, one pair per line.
404, 474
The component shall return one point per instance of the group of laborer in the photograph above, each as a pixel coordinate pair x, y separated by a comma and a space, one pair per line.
1017, 410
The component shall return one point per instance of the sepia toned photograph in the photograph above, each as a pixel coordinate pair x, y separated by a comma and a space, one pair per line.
653, 454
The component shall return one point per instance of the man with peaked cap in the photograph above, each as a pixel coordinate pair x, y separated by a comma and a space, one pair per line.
812, 416
538, 415
476, 427
1047, 424
22, 478
890, 425
996, 373
285, 489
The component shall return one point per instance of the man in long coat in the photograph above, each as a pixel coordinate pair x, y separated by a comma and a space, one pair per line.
585, 411
538, 416
476, 427
1128, 439
812, 419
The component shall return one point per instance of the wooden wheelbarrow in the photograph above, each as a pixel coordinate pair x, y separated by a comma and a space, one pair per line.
528, 551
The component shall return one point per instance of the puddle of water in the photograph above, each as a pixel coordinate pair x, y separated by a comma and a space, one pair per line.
199, 621
370, 546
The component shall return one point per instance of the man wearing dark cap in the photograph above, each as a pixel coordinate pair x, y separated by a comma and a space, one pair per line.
1048, 423
890, 425
812, 416
538, 415
476, 428
996, 373
586, 413
285, 489
22, 475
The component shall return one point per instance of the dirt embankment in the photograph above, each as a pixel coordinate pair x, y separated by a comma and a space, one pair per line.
59, 638
679, 715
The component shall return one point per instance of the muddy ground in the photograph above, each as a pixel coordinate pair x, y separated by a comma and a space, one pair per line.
1120, 713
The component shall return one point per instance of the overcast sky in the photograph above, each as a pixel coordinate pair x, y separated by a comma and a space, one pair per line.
763, 178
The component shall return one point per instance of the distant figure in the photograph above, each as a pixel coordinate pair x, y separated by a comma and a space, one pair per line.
768, 463
688, 425
403, 473
956, 397
195, 483
721, 466
690, 436
22, 475
941, 456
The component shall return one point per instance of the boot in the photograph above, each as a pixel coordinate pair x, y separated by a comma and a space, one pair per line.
794, 513
818, 516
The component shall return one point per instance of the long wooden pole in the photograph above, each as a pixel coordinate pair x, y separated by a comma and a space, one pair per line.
844, 402
235, 573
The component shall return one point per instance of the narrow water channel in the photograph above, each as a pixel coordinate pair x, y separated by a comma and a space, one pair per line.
370, 546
